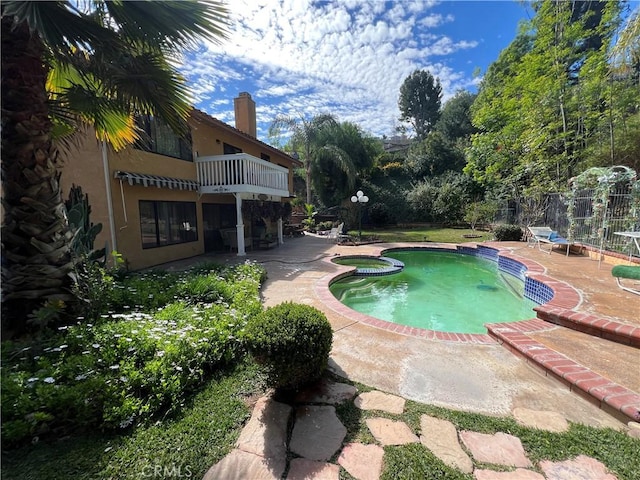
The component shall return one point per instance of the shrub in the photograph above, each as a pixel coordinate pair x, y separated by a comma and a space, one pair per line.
323, 226
508, 233
379, 214
123, 369
292, 342
393, 168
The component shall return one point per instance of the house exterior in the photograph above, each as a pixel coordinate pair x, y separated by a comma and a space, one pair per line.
167, 198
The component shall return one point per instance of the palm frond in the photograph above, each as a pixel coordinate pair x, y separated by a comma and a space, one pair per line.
341, 159
147, 84
170, 24
78, 98
59, 26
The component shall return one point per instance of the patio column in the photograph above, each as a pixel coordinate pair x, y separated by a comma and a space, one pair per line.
280, 235
239, 226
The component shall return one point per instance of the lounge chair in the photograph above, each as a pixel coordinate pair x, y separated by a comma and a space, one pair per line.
630, 273
545, 236
336, 233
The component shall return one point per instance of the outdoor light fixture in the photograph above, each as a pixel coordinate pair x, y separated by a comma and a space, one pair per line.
360, 198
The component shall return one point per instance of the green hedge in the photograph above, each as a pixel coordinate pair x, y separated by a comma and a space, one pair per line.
508, 233
292, 342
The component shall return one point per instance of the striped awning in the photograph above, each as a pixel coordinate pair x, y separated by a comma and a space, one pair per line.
156, 181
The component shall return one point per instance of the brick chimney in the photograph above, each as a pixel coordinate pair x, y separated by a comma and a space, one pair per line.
245, 111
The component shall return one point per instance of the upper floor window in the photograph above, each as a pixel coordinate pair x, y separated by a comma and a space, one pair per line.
229, 149
157, 137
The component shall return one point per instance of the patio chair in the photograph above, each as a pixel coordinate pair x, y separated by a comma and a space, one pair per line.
335, 233
628, 272
546, 236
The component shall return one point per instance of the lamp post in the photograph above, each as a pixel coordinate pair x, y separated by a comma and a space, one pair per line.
360, 198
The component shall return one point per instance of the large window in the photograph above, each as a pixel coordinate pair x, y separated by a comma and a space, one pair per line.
159, 138
167, 223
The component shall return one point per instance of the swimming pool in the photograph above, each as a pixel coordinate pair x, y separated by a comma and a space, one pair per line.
443, 290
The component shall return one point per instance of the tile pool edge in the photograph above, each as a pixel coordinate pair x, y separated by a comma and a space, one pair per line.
558, 294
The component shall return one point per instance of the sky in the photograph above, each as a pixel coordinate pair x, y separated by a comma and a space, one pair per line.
345, 57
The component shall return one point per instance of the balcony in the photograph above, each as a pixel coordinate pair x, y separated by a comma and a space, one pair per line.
241, 173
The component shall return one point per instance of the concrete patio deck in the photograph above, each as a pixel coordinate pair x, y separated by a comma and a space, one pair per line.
486, 377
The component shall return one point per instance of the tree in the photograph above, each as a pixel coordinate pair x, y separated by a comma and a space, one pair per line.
434, 155
441, 199
348, 155
548, 108
419, 102
443, 149
111, 61
455, 117
310, 136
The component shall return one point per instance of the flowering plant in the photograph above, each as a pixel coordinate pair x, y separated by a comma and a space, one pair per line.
131, 362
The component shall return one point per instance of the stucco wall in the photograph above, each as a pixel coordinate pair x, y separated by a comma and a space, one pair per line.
84, 167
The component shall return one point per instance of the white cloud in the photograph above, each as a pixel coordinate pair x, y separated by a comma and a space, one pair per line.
348, 58
435, 20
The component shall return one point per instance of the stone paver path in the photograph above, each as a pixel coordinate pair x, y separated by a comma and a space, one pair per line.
580, 468
500, 449
380, 401
303, 469
326, 391
317, 433
363, 462
391, 432
239, 465
441, 437
316, 450
550, 421
266, 432
517, 474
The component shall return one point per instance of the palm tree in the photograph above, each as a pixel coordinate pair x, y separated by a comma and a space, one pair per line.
310, 136
348, 156
61, 65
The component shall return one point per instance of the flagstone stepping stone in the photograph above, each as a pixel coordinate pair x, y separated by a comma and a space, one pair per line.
634, 429
500, 448
326, 391
265, 433
542, 420
303, 469
579, 468
317, 432
390, 432
363, 462
376, 400
441, 437
518, 474
239, 465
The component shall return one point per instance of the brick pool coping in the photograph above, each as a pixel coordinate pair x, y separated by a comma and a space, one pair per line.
617, 400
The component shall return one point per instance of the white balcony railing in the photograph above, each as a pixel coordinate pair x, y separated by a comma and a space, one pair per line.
240, 173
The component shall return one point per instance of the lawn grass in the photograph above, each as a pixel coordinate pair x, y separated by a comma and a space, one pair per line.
427, 234
208, 426
187, 444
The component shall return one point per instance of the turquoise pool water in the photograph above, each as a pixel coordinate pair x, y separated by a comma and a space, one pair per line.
443, 291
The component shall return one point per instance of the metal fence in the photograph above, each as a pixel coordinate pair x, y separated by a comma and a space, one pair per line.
593, 225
